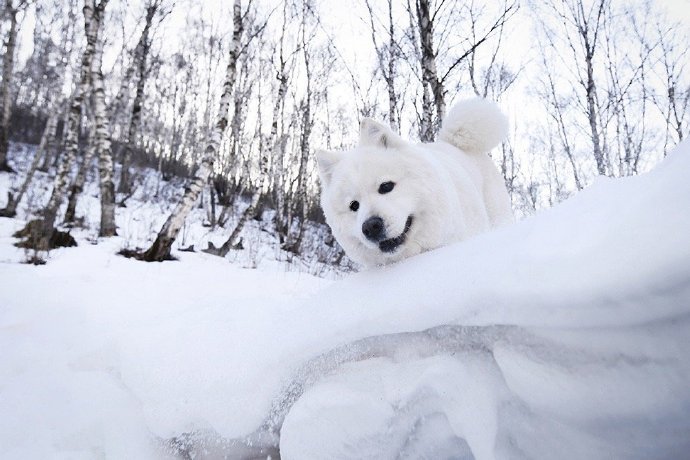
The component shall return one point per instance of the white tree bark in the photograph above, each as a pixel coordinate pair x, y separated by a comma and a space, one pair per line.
77, 186
161, 247
300, 200
11, 11
387, 57
430, 76
103, 144
91, 27
589, 35
271, 148
140, 62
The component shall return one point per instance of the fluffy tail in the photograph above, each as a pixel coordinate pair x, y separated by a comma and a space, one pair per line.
475, 126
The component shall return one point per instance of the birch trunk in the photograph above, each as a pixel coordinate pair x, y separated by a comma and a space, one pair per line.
72, 129
119, 104
140, 57
5, 97
293, 242
430, 77
589, 33
77, 186
278, 160
48, 134
233, 240
592, 116
557, 115
161, 247
103, 147
386, 61
390, 76
52, 154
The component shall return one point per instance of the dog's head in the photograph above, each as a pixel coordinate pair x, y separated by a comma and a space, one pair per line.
373, 195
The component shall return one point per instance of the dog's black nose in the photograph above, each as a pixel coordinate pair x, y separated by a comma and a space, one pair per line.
373, 229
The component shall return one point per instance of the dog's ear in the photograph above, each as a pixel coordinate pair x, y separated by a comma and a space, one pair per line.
326, 160
375, 134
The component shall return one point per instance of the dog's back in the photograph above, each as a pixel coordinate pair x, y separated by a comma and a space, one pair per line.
475, 127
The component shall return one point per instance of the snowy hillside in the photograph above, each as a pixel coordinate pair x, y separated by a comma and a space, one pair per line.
146, 211
564, 335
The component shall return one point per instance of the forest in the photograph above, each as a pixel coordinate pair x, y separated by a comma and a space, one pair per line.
192, 133
232, 100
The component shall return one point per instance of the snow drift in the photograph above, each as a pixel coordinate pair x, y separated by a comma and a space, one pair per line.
564, 335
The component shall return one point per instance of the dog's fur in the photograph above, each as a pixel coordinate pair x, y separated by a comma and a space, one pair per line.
443, 192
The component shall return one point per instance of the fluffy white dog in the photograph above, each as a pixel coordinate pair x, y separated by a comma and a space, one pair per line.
388, 199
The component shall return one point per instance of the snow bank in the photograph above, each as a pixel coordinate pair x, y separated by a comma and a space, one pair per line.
102, 353
578, 320
566, 334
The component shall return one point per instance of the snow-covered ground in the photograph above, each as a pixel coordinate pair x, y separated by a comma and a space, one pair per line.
565, 335
146, 211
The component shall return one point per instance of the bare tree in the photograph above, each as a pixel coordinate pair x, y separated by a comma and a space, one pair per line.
268, 150
103, 148
556, 113
588, 25
41, 239
430, 77
48, 135
387, 56
674, 102
425, 17
299, 203
161, 247
11, 11
77, 186
140, 63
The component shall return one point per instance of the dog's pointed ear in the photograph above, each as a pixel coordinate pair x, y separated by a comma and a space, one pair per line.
326, 160
375, 134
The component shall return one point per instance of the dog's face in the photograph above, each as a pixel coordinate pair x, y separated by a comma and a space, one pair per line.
373, 197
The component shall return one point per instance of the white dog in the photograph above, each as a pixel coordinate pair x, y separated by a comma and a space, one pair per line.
388, 199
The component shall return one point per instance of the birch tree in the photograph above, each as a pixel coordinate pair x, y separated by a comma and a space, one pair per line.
589, 25
601, 60
141, 53
673, 102
48, 135
103, 147
430, 78
12, 9
41, 239
269, 149
387, 56
161, 247
77, 186
298, 205
426, 17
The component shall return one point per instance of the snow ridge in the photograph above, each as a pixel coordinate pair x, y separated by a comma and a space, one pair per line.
564, 334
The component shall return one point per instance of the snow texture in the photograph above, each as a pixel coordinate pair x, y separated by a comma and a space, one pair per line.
564, 335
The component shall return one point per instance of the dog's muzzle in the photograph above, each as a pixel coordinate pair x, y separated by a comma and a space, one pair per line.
392, 244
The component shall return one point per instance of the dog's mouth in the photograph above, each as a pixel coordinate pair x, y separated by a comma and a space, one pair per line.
392, 244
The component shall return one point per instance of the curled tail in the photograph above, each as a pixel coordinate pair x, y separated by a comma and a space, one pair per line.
475, 126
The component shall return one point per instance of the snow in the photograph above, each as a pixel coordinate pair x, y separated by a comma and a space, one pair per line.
565, 334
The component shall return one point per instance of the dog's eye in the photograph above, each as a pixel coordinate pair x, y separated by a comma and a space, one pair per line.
386, 187
354, 205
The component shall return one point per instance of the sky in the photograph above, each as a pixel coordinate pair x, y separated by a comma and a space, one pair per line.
346, 23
